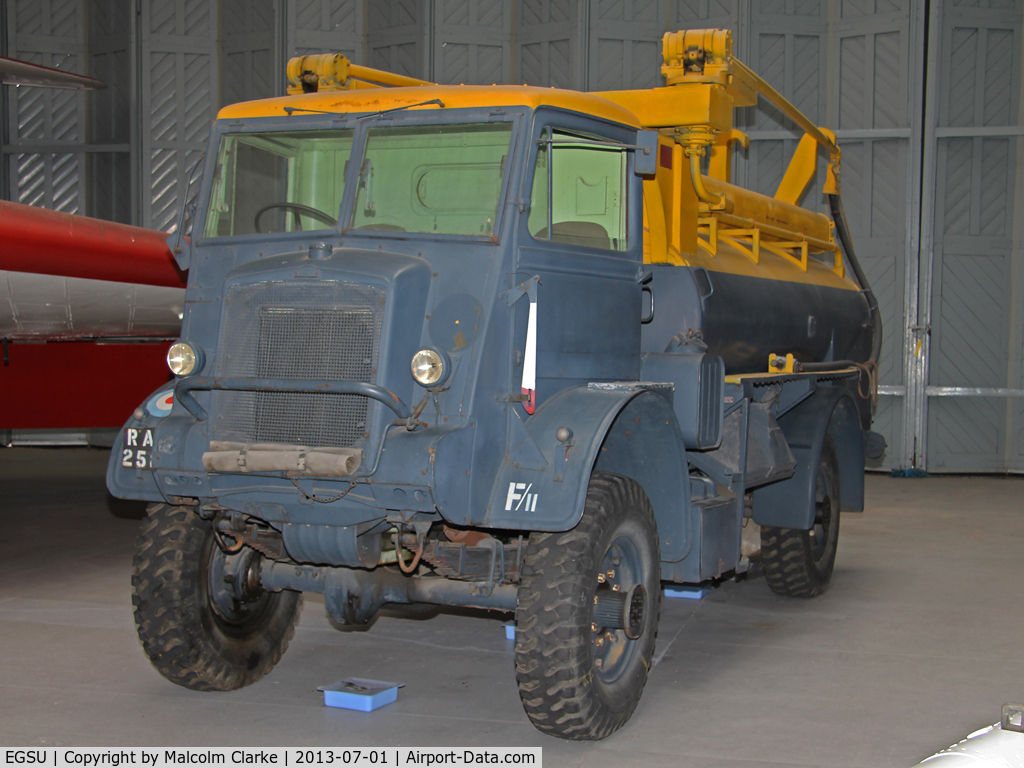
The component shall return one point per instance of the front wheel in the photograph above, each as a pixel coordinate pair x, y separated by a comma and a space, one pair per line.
198, 629
587, 614
799, 563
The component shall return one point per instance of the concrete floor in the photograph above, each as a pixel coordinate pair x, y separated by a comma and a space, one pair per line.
916, 644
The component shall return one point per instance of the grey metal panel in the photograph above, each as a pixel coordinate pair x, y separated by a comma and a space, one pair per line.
970, 331
698, 14
551, 43
592, 45
876, 68
966, 434
974, 295
179, 99
250, 71
788, 48
50, 33
471, 41
874, 61
875, 175
786, 42
325, 26
396, 37
625, 44
110, 61
110, 184
878, 79
971, 302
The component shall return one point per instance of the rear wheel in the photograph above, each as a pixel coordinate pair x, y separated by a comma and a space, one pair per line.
799, 563
201, 627
587, 614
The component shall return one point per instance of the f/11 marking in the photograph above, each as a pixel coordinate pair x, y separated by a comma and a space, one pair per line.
519, 494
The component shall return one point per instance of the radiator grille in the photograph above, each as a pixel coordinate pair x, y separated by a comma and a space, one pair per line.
329, 330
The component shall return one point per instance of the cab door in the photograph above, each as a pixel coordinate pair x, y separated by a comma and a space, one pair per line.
582, 237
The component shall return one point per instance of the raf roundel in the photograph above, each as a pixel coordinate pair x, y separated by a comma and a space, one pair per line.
161, 404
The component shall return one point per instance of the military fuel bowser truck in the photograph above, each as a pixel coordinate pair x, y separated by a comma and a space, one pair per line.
513, 348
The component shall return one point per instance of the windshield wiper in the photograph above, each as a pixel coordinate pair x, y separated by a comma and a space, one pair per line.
290, 110
399, 109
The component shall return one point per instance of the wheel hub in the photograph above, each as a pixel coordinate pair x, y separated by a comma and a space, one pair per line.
621, 610
235, 583
822, 522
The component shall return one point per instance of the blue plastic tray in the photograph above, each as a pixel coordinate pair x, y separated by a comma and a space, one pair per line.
689, 593
360, 694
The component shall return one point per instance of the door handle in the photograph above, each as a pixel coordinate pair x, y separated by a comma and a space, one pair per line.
647, 289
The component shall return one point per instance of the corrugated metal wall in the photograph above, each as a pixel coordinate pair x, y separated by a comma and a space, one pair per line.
930, 184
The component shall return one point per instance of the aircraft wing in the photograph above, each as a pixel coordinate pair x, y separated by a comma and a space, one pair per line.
16, 72
87, 311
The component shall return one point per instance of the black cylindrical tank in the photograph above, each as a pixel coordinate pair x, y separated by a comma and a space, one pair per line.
744, 318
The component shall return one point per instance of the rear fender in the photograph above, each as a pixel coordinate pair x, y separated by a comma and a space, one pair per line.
632, 433
790, 503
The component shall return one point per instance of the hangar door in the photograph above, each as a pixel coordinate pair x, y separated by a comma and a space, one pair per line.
965, 374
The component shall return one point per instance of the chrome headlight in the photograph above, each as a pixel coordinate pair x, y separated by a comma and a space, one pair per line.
430, 367
184, 358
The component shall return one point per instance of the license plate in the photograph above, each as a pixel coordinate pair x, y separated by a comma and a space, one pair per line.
138, 448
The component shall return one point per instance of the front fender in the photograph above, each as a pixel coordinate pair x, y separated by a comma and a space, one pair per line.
134, 483
631, 432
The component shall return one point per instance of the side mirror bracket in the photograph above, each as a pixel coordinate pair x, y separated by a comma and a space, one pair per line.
645, 156
178, 242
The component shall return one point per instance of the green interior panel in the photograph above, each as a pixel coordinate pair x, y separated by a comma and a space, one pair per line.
588, 194
444, 179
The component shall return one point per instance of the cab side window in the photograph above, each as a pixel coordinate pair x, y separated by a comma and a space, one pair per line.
587, 202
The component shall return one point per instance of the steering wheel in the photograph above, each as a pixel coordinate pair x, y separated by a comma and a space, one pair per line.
295, 208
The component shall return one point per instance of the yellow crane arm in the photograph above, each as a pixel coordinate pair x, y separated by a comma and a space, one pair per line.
785, 105
334, 72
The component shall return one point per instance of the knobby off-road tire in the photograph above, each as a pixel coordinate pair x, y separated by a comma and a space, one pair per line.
572, 687
799, 563
195, 633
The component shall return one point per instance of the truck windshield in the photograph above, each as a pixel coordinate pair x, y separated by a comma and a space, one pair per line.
443, 179
281, 181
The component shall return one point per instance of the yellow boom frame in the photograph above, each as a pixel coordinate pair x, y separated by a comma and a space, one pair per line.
686, 219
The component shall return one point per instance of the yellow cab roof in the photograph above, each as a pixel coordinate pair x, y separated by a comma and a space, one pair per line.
453, 97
